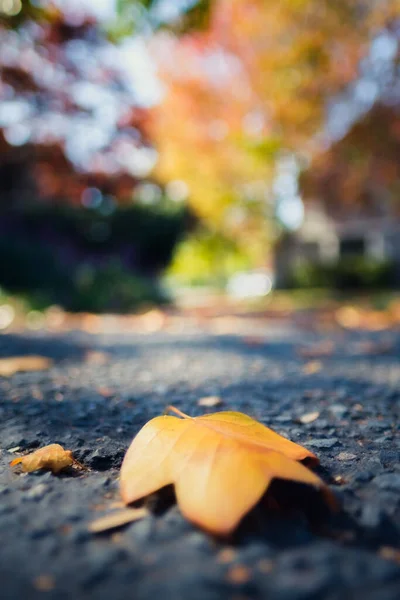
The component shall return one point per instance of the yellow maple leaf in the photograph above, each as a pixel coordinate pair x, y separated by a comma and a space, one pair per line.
221, 465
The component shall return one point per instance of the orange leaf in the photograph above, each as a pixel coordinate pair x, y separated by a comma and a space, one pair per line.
51, 458
221, 465
13, 364
312, 367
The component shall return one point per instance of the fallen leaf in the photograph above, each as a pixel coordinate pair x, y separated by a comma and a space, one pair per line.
209, 401
308, 417
312, 367
319, 350
265, 565
153, 320
373, 348
51, 458
226, 555
14, 364
95, 357
348, 317
252, 340
238, 574
390, 553
221, 465
117, 519
105, 391
44, 583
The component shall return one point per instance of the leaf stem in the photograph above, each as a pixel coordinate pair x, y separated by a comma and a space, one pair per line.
176, 411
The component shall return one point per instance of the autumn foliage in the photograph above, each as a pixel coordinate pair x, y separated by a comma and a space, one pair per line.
258, 81
220, 464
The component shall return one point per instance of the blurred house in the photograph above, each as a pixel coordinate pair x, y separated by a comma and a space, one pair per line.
351, 195
324, 241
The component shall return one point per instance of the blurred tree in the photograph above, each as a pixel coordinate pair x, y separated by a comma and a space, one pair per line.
360, 174
73, 156
257, 81
69, 118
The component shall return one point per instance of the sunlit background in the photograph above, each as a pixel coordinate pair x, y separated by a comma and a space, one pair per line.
158, 152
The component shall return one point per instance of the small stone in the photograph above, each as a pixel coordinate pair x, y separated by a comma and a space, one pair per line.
346, 456
338, 410
308, 417
209, 401
323, 444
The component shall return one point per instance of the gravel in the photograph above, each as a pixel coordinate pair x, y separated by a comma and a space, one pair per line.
95, 410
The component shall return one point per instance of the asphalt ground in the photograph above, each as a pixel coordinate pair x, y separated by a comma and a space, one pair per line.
103, 388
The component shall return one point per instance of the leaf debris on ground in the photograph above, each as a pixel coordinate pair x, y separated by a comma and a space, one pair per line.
312, 367
117, 519
15, 364
50, 458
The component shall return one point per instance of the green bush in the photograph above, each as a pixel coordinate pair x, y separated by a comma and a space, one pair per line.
85, 261
207, 258
114, 289
347, 274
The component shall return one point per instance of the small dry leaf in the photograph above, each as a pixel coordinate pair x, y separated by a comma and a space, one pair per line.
153, 320
312, 367
221, 464
348, 317
390, 553
265, 565
373, 348
95, 357
51, 458
252, 340
117, 519
308, 417
44, 583
238, 574
209, 401
105, 391
319, 350
14, 364
226, 555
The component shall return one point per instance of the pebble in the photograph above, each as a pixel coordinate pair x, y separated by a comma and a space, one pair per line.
324, 443
344, 456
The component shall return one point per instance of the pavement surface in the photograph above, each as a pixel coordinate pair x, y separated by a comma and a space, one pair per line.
103, 388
